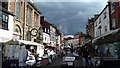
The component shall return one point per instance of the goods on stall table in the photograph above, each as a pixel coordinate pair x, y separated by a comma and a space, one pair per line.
30, 60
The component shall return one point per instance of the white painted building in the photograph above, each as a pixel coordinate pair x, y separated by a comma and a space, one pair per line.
58, 39
6, 29
46, 38
52, 35
7, 34
102, 23
74, 42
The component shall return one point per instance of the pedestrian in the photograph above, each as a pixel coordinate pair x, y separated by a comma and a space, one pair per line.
62, 54
22, 56
85, 56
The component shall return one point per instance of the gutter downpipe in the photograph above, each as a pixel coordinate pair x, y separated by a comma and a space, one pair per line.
24, 21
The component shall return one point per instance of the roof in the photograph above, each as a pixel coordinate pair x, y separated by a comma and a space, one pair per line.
32, 4
100, 13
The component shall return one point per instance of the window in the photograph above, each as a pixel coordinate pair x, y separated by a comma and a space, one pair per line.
45, 29
95, 24
48, 31
29, 16
45, 38
18, 10
112, 7
5, 5
105, 15
96, 33
4, 23
113, 24
105, 28
99, 20
35, 20
99, 32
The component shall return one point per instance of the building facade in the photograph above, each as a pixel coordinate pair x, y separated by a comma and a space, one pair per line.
17, 8
52, 35
26, 20
101, 23
106, 30
32, 22
114, 14
6, 27
46, 31
90, 26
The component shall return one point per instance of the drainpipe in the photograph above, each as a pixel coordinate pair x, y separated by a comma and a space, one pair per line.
24, 21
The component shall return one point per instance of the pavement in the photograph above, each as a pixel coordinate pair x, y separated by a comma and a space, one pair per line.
58, 63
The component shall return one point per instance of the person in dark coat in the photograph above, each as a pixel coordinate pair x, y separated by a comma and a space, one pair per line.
85, 55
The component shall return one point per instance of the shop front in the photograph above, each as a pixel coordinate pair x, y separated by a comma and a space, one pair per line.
108, 46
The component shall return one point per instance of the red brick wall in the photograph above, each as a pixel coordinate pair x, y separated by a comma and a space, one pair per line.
116, 14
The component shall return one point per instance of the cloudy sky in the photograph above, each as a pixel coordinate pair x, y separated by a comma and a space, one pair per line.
70, 16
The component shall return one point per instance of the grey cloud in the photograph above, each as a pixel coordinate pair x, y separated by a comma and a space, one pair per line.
71, 0
70, 16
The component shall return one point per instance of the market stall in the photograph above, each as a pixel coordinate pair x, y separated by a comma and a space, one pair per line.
21, 50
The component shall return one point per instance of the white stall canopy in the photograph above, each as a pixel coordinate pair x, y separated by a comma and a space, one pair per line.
14, 42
